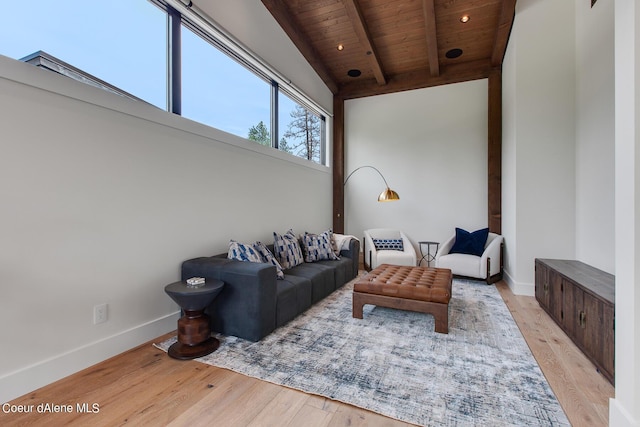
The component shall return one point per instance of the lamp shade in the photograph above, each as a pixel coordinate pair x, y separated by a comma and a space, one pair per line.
388, 195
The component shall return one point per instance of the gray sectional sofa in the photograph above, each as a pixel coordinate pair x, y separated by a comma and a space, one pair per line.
253, 302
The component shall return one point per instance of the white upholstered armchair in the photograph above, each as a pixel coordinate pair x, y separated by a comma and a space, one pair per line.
387, 252
487, 267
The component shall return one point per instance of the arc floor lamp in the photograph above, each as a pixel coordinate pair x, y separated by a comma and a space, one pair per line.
388, 195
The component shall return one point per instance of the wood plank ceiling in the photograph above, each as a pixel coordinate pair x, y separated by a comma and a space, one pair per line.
396, 45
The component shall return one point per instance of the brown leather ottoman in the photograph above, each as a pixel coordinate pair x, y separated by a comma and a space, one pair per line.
423, 289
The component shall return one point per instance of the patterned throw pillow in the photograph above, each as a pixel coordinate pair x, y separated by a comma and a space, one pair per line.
388, 244
243, 252
317, 247
268, 257
287, 250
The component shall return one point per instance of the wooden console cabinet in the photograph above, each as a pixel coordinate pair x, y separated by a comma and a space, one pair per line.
580, 299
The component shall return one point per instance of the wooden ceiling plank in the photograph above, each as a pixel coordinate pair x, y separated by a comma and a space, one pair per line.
429, 9
503, 31
455, 73
290, 26
360, 27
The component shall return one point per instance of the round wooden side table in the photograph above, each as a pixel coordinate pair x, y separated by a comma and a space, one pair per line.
194, 333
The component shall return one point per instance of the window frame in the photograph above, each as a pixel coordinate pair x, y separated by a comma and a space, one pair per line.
179, 13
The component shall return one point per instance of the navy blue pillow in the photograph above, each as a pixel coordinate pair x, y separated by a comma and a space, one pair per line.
470, 243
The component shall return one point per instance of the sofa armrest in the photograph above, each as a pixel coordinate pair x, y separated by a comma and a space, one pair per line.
353, 252
246, 306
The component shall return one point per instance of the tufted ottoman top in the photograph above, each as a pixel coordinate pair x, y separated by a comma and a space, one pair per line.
417, 283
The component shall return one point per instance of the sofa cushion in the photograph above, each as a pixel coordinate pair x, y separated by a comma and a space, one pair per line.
243, 252
268, 257
342, 270
317, 247
257, 252
321, 277
287, 249
470, 243
293, 297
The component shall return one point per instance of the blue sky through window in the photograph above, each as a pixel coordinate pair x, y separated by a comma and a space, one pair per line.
220, 92
116, 41
123, 42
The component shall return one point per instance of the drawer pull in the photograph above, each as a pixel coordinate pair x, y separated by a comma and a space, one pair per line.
582, 319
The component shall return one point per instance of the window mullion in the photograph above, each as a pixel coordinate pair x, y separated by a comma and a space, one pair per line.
275, 137
323, 140
174, 58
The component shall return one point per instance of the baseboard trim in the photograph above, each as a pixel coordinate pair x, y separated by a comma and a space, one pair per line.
27, 379
519, 288
619, 416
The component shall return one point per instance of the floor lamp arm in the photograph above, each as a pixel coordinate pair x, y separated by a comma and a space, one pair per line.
366, 166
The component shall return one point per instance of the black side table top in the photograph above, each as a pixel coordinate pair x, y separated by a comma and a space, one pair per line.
193, 298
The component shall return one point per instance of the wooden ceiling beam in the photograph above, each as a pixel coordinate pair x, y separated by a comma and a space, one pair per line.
503, 31
360, 27
290, 25
429, 10
456, 73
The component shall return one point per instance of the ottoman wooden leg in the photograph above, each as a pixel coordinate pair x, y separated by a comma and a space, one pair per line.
357, 305
441, 317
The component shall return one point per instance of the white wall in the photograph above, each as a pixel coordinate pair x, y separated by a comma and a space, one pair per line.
539, 139
595, 135
624, 410
509, 160
103, 198
431, 146
558, 137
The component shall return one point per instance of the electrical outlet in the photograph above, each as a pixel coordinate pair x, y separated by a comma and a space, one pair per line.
100, 313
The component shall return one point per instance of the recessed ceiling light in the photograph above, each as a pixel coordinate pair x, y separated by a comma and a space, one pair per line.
464, 19
453, 53
354, 73
340, 47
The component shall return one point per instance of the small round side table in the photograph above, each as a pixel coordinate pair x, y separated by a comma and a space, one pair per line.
194, 333
426, 254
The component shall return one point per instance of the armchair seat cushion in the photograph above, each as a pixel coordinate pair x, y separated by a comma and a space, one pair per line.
462, 264
395, 257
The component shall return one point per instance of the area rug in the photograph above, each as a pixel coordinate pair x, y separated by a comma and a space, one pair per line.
392, 362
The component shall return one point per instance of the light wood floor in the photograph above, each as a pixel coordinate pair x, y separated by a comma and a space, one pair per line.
145, 387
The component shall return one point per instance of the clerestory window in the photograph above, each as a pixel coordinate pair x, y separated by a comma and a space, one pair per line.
218, 83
